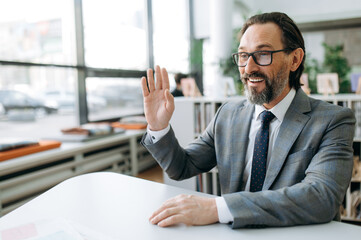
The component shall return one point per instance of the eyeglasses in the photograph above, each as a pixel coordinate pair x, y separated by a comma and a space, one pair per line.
262, 58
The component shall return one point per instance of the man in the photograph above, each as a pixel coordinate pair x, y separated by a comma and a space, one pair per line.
303, 177
177, 92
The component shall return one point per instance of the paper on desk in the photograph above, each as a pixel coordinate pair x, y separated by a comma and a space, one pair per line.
42, 230
53, 229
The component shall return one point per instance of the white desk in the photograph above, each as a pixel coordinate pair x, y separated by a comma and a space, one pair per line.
119, 206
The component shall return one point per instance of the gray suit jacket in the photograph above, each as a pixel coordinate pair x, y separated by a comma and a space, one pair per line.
307, 175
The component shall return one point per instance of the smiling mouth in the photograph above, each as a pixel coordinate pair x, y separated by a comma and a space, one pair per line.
256, 80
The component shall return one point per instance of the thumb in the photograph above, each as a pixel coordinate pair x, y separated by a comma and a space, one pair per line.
170, 100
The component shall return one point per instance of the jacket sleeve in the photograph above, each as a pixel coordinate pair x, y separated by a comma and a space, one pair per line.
182, 163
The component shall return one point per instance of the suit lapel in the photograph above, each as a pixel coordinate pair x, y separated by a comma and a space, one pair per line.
291, 127
240, 131
244, 129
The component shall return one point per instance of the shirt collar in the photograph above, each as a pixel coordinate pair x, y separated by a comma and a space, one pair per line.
280, 109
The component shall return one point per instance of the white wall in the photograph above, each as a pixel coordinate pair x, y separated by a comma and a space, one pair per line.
300, 11
213, 20
313, 45
309, 10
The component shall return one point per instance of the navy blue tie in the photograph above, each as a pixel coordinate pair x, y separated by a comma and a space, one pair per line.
260, 153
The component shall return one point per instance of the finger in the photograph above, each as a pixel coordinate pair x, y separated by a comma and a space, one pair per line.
157, 212
150, 80
158, 76
167, 204
166, 213
170, 100
154, 214
172, 220
145, 89
165, 79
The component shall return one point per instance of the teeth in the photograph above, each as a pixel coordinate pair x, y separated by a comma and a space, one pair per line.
256, 80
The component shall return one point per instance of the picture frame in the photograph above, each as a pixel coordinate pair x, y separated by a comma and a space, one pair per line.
190, 88
356, 83
327, 83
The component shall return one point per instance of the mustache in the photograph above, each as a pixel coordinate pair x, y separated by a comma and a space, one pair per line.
246, 76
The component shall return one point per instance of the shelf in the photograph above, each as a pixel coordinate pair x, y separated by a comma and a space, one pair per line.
23, 178
351, 219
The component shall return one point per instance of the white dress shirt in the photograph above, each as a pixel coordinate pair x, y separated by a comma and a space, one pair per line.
279, 111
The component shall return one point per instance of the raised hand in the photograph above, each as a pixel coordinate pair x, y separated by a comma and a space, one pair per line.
158, 101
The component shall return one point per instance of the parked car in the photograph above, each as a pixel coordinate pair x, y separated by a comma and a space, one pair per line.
2, 111
120, 95
15, 100
65, 100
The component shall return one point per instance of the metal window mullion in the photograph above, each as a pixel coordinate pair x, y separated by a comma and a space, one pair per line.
35, 64
81, 73
149, 32
191, 34
114, 73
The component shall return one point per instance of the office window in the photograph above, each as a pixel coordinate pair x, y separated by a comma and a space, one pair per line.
39, 31
39, 68
31, 101
114, 34
171, 35
36, 32
109, 98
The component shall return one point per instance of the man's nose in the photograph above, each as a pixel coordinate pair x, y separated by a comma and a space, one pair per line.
251, 66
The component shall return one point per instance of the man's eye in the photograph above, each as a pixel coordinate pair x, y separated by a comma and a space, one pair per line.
243, 56
263, 54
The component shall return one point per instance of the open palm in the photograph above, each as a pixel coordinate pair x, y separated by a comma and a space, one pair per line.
158, 101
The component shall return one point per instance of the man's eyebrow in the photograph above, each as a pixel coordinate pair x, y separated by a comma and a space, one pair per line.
240, 48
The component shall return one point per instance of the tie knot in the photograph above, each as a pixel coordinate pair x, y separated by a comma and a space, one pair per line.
266, 117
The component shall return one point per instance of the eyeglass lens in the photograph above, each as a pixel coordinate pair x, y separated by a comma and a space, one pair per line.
261, 58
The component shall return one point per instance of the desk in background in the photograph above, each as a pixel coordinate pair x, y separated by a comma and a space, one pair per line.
25, 177
119, 206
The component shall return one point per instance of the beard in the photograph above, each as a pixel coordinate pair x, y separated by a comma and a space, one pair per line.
273, 87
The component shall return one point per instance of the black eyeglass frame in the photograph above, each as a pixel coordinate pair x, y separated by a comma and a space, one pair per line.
251, 54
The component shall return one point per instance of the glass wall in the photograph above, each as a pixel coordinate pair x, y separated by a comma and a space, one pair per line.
34, 102
115, 34
38, 31
43, 79
39, 35
109, 98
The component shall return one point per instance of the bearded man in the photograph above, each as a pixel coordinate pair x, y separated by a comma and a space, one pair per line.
283, 158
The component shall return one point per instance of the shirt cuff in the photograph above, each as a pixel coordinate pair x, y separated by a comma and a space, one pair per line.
224, 215
157, 135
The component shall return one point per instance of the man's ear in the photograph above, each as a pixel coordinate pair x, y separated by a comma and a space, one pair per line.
297, 57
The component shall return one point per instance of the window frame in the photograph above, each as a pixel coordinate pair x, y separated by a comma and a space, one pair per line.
84, 71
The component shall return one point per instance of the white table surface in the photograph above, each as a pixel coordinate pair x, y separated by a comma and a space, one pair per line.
119, 206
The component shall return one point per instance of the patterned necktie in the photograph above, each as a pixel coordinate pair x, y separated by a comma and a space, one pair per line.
260, 153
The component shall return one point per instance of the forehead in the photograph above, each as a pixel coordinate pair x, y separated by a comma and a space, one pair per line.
261, 36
